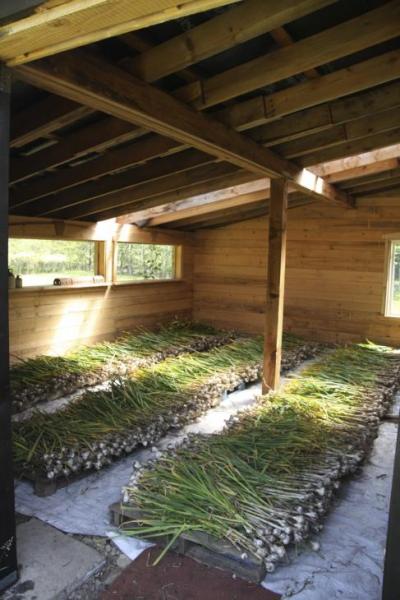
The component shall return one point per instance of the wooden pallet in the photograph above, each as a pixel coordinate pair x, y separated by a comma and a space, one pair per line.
47, 487
200, 546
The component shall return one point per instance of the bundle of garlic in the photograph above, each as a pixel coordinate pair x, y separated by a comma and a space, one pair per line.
102, 425
46, 378
268, 479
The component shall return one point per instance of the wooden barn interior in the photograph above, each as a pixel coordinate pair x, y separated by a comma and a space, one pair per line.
256, 143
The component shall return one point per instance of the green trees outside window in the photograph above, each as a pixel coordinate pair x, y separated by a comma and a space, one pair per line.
393, 283
39, 262
145, 261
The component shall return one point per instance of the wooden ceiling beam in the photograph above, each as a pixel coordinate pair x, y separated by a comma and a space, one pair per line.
337, 135
130, 182
373, 27
198, 201
241, 201
137, 192
160, 199
245, 115
356, 165
391, 168
354, 113
320, 119
390, 179
257, 190
228, 217
352, 147
61, 107
73, 23
284, 39
241, 23
93, 138
140, 45
43, 118
175, 195
95, 84
388, 192
152, 189
109, 163
224, 217
118, 185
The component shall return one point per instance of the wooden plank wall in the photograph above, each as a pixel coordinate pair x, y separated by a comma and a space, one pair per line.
54, 320
334, 277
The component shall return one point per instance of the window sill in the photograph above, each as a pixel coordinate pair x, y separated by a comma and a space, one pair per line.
56, 288
146, 282
59, 288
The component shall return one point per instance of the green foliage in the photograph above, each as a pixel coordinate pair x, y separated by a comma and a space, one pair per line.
27, 256
396, 273
145, 261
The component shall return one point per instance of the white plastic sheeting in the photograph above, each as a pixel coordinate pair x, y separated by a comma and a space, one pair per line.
82, 506
349, 564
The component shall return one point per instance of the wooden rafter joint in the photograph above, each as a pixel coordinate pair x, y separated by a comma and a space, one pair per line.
94, 83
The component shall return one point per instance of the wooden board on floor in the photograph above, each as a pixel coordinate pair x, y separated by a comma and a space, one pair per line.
180, 578
200, 546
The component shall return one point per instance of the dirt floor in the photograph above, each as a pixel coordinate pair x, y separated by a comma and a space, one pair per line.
180, 578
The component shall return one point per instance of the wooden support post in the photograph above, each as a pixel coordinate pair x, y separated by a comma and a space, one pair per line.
275, 284
8, 558
114, 261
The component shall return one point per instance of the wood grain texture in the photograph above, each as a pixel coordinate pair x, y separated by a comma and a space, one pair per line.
240, 116
248, 20
334, 276
72, 23
372, 28
54, 320
84, 78
275, 284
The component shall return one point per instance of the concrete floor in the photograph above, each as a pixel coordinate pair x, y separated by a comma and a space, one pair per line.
50, 563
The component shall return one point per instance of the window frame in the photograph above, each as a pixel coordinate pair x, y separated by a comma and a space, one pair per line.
106, 244
391, 242
177, 263
99, 262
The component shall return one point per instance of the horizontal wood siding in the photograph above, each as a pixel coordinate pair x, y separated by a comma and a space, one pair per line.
334, 277
54, 320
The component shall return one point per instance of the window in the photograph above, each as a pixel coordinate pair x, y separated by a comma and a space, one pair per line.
145, 261
392, 308
39, 262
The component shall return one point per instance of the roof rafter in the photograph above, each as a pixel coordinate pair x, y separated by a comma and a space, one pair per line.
59, 27
253, 112
250, 19
241, 23
356, 169
43, 118
296, 128
102, 87
127, 185
373, 27
352, 147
